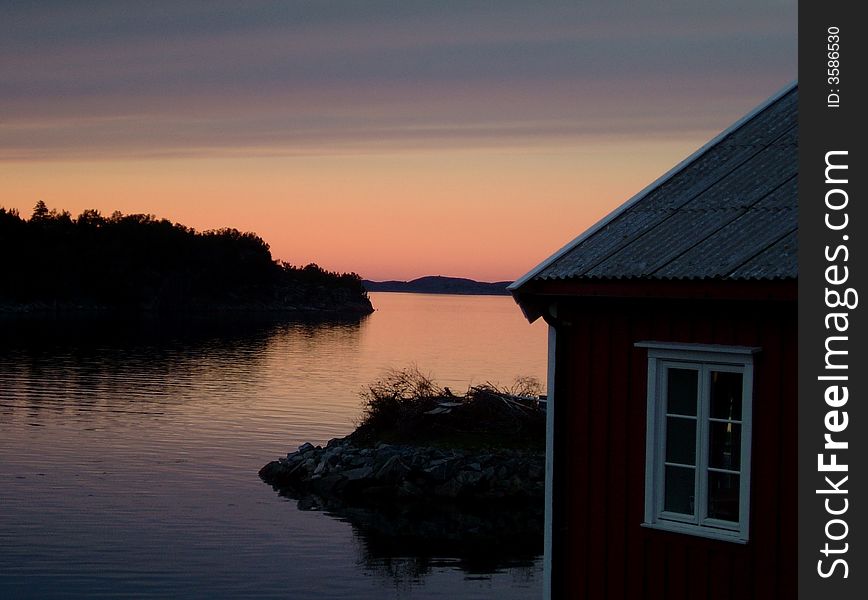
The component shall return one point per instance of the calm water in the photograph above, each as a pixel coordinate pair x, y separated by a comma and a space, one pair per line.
129, 453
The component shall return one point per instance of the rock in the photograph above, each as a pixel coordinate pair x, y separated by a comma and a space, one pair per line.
468, 478
272, 470
408, 490
378, 492
356, 461
450, 489
309, 503
440, 469
392, 471
328, 485
536, 472
357, 474
343, 474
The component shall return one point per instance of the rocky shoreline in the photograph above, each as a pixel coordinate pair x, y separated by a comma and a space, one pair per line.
339, 309
346, 473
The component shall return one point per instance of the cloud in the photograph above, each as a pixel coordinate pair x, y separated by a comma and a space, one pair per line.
135, 79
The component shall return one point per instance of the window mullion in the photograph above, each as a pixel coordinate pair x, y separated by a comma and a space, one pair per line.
662, 409
697, 487
746, 444
702, 434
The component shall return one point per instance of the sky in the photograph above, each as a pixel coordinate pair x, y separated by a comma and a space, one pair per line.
392, 139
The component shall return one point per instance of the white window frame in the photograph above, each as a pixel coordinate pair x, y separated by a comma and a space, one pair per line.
704, 359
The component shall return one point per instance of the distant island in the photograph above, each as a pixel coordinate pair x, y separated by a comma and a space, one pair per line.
437, 284
54, 262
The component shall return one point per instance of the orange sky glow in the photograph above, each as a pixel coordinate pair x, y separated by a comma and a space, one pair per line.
435, 138
489, 215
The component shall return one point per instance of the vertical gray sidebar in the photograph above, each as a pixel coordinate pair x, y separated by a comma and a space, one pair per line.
833, 369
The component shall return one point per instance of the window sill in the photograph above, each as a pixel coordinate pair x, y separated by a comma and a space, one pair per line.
694, 530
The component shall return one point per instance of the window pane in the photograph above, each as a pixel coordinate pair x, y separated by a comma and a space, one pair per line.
726, 395
679, 490
725, 445
723, 496
681, 440
682, 391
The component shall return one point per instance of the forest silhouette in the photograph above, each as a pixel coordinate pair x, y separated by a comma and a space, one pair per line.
53, 261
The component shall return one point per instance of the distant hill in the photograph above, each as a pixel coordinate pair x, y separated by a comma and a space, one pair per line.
437, 284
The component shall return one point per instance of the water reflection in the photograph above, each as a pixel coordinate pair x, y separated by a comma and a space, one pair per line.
47, 333
129, 453
412, 541
92, 365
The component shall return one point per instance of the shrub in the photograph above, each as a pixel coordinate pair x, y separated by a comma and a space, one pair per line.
399, 395
407, 405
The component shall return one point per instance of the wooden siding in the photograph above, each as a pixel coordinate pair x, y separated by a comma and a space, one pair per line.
600, 551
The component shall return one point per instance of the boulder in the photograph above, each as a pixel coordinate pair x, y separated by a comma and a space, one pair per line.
344, 473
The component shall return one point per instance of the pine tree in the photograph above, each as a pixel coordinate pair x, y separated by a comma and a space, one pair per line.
40, 211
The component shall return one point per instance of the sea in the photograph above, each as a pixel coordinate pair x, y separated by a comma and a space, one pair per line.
129, 452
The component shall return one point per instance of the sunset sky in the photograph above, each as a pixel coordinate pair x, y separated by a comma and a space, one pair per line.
391, 138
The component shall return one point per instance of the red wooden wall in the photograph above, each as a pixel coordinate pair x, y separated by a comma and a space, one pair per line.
600, 550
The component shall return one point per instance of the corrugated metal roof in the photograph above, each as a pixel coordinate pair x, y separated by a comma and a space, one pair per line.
728, 212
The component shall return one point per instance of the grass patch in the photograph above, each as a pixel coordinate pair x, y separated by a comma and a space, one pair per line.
409, 407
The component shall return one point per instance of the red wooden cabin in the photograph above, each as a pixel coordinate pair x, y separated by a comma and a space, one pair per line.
672, 380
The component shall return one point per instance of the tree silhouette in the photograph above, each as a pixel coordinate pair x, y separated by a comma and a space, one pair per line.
143, 262
40, 211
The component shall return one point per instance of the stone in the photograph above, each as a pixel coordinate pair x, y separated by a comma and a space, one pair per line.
342, 473
449, 489
536, 471
378, 492
437, 473
357, 474
392, 470
409, 490
327, 485
308, 503
468, 478
272, 470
